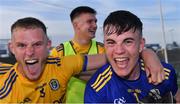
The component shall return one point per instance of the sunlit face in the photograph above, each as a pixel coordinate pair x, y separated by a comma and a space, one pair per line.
86, 25
123, 52
30, 47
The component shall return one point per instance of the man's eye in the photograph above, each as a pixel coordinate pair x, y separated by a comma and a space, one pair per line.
21, 45
37, 44
128, 42
110, 43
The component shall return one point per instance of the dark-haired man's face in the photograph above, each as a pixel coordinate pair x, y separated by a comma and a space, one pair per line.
122, 51
86, 25
30, 47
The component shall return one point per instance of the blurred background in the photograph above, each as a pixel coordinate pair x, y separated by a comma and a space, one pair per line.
161, 20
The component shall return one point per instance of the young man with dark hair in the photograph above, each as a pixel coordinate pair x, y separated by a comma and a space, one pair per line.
123, 79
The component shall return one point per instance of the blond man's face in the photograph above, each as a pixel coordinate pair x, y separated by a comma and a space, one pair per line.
30, 47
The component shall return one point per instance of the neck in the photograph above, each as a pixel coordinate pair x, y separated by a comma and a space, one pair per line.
81, 41
134, 75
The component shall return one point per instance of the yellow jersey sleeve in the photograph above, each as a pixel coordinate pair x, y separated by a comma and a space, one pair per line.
4, 67
57, 51
73, 64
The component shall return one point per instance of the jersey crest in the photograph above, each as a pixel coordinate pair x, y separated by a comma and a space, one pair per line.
54, 84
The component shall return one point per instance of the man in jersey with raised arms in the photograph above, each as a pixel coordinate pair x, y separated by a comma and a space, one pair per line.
37, 77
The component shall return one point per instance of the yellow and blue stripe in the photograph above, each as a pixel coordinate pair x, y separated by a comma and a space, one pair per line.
102, 79
53, 60
4, 69
8, 84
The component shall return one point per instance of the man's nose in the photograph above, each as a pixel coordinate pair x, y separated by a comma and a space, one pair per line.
29, 50
120, 49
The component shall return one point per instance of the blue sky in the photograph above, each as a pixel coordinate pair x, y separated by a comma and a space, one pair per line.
55, 14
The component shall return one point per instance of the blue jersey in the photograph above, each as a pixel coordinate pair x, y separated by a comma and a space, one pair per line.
106, 87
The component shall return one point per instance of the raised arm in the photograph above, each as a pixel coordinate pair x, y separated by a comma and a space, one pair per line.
96, 61
153, 67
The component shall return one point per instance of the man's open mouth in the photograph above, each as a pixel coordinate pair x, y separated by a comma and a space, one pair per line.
31, 62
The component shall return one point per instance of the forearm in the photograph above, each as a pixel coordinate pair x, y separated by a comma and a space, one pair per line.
153, 67
149, 55
96, 61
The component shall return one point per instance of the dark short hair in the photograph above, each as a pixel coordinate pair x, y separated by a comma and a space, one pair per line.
122, 21
29, 22
81, 9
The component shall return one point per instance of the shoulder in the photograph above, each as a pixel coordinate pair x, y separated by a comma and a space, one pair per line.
58, 51
100, 79
169, 70
170, 81
53, 61
100, 47
99, 44
7, 81
60, 47
5, 68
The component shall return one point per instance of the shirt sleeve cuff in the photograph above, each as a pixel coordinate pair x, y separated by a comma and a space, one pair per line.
85, 63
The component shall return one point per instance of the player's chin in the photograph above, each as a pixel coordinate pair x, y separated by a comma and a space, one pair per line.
33, 77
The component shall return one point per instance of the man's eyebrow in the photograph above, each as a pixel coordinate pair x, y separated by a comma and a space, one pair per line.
109, 40
128, 39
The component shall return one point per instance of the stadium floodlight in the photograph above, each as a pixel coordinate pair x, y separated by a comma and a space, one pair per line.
163, 31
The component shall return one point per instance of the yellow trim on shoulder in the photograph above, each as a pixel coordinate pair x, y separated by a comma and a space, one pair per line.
104, 82
167, 70
101, 80
166, 73
142, 68
142, 63
102, 74
166, 77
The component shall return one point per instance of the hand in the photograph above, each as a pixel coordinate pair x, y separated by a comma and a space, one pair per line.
153, 67
155, 75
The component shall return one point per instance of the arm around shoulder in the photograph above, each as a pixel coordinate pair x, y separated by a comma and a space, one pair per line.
96, 61
153, 66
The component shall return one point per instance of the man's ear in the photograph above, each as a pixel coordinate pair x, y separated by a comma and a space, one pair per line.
49, 44
142, 44
10, 47
75, 24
